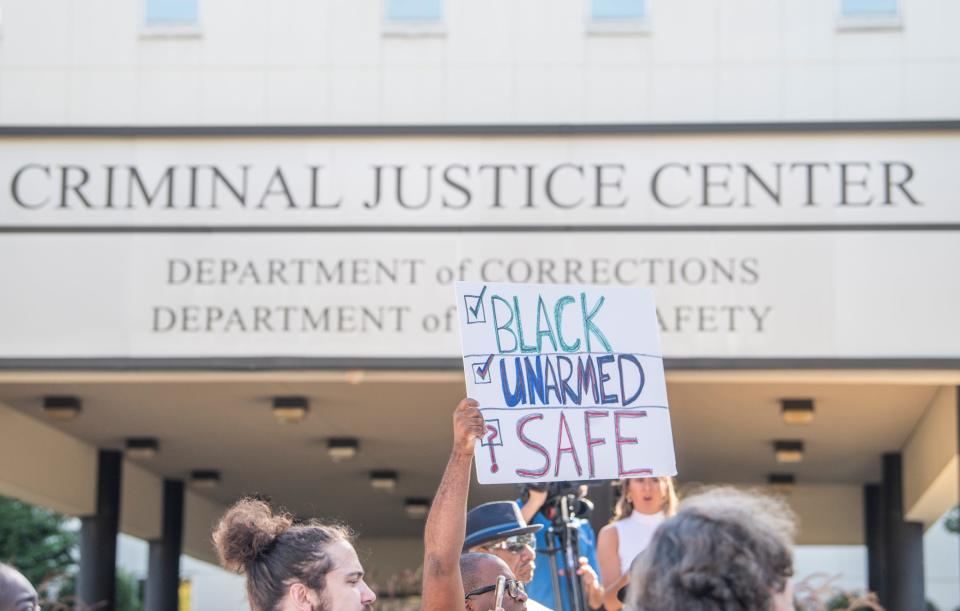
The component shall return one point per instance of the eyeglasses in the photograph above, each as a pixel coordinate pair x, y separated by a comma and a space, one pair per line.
513, 587
515, 543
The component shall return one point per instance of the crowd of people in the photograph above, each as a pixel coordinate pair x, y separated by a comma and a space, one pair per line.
720, 550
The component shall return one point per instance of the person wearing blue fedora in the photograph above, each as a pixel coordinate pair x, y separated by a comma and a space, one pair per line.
498, 528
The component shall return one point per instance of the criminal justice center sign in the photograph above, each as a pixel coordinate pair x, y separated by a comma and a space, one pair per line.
815, 245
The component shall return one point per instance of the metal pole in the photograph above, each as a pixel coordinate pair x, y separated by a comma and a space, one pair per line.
571, 552
555, 569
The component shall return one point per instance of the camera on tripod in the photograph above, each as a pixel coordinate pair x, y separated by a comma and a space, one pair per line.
565, 507
577, 505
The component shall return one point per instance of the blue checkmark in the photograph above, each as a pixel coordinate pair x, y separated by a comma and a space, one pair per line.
474, 305
481, 371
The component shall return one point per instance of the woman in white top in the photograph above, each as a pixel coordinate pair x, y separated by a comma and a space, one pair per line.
645, 502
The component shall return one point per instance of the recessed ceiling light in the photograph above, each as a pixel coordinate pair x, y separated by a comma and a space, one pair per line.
383, 480
290, 410
416, 508
342, 448
205, 478
782, 482
354, 376
62, 408
142, 447
788, 451
797, 411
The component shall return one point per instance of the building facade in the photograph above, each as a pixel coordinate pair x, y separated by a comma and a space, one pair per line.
212, 212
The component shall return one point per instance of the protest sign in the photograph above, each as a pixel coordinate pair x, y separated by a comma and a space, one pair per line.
569, 379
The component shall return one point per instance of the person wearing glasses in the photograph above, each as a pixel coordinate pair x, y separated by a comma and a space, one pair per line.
479, 572
16, 592
452, 581
498, 528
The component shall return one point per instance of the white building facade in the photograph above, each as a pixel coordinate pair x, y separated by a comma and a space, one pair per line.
205, 204
337, 63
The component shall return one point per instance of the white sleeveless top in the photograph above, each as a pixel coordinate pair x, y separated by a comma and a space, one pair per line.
633, 535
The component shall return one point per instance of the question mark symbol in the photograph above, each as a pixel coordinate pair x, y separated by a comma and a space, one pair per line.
491, 437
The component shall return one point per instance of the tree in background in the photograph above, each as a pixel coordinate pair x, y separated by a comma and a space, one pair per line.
40, 543
952, 521
128, 592
129, 596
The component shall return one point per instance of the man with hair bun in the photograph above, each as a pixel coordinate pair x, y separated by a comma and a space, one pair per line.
290, 566
725, 550
16, 592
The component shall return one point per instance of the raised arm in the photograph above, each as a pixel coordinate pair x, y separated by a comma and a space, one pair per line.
447, 523
535, 500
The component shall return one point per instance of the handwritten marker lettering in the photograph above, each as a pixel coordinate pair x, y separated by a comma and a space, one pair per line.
490, 440
570, 379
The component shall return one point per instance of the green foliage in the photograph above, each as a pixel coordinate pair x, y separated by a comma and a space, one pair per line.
41, 545
38, 542
842, 602
952, 521
128, 592
128, 595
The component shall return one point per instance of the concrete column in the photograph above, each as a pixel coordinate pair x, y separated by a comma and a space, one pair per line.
97, 579
163, 571
903, 543
910, 592
874, 536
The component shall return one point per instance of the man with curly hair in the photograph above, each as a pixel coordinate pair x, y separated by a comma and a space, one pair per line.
725, 550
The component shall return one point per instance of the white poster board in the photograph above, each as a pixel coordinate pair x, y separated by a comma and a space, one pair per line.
569, 379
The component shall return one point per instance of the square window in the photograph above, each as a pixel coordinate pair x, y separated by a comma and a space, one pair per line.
869, 8
869, 15
618, 9
171, 12
414, 10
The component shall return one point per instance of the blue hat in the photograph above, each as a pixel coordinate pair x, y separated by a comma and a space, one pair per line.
495, 521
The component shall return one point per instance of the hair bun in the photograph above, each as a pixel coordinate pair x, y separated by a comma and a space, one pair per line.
246, 531
704, 585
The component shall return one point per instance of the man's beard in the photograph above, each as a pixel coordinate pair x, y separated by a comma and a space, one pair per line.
323, 607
